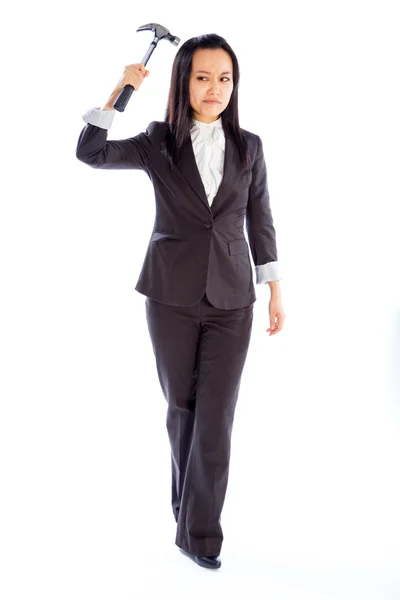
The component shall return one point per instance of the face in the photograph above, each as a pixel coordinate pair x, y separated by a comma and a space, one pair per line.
211, 78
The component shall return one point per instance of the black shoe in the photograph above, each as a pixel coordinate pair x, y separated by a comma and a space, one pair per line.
210, 562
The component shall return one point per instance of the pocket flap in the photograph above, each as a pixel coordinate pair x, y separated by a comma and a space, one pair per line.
160, 235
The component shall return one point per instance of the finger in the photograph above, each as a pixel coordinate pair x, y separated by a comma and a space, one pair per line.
280, 318
275, 327
278, 327
274, 331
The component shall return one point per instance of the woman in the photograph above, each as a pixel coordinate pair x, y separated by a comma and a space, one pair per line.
208, 175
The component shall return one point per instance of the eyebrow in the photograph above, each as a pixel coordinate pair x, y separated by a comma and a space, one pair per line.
208, 72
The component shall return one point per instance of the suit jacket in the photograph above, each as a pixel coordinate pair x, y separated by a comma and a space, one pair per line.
195, 248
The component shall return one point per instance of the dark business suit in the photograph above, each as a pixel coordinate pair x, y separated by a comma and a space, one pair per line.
198, 280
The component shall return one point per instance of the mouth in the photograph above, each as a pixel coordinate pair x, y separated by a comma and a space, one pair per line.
212, 101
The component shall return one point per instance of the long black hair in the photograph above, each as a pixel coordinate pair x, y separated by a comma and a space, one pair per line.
179, 112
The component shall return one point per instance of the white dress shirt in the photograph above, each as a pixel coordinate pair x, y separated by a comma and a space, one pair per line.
208, 141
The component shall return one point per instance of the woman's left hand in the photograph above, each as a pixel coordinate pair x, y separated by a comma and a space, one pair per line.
276, 315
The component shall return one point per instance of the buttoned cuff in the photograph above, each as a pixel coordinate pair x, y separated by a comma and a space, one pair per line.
269, 272
101, 118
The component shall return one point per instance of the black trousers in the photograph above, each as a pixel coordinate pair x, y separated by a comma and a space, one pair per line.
200, 353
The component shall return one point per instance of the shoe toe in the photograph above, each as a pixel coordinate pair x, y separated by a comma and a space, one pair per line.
210, 562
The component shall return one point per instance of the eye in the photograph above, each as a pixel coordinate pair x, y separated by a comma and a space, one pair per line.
204, 77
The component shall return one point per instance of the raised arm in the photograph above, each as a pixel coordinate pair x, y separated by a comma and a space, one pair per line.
95, 150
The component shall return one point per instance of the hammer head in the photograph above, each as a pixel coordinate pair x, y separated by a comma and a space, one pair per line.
160, 32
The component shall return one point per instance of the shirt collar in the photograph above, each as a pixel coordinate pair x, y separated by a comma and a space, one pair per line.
206, 127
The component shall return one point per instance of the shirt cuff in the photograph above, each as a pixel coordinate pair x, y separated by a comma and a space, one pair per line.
269, 272
98, 117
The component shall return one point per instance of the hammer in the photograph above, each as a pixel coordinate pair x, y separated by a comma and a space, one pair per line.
160, 33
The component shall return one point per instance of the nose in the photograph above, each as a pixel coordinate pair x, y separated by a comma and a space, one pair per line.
214, 87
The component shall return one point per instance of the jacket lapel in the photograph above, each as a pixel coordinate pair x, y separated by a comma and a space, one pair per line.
232, 172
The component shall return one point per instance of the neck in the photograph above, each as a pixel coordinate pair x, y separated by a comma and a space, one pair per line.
206, 120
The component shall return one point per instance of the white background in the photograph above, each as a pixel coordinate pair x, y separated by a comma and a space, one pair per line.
312, 507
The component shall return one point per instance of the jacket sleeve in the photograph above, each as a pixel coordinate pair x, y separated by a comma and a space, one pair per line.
95, 150
259, 223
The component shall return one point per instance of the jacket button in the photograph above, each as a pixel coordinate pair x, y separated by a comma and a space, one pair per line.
207, 224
